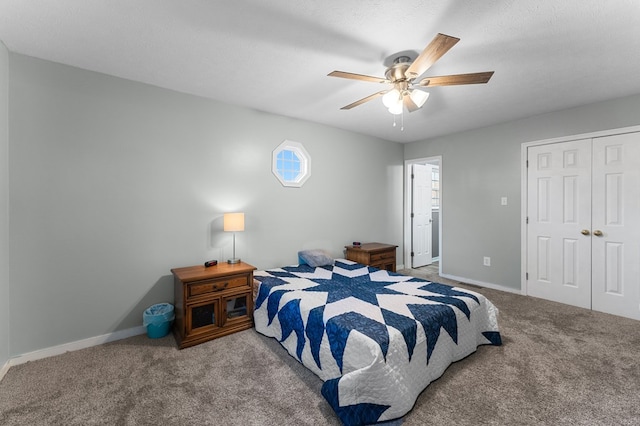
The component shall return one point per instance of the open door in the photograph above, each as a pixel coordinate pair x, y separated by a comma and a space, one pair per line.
421, 215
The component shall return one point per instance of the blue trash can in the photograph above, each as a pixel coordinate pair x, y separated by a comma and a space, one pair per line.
157, 319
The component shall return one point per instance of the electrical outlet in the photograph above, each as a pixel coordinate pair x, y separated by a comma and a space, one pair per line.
486, 261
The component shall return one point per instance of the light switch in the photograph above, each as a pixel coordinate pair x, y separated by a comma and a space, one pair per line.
503, 201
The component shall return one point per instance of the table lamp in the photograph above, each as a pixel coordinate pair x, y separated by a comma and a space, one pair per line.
233, 222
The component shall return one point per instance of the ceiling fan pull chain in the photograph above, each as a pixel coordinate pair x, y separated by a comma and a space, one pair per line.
402, 120
394, 120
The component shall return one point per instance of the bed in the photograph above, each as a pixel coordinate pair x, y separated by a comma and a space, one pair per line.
376, 338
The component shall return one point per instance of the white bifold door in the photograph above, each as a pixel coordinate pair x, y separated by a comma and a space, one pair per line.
583, 223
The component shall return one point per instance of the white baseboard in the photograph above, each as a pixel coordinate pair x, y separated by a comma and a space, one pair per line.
72, 346
4, 370
482, 284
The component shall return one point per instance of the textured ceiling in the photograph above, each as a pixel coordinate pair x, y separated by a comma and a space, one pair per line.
275, 56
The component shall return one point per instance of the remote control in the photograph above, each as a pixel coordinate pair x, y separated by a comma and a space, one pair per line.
210, 263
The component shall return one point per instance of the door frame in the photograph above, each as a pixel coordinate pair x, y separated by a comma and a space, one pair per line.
408, 195
523, 187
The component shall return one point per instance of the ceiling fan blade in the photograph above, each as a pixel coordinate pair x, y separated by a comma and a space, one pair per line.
409, 104
363, 100
361, 77
440, 45
454, 80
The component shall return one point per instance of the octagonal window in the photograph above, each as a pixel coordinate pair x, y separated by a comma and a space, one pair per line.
291, 164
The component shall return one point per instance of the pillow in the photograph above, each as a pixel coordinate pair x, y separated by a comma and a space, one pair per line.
314, 258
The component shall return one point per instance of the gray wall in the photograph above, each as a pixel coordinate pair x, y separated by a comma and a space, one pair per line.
481, 166
113, 183
4, 205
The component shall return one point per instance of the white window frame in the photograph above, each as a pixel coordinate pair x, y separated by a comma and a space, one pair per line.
305, 163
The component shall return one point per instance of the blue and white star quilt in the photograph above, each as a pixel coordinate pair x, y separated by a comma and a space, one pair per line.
375, 338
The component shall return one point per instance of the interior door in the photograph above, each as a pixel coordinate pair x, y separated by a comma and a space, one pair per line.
559, 222
616, 225
421, 216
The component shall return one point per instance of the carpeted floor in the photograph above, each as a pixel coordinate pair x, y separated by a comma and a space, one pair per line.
559, 365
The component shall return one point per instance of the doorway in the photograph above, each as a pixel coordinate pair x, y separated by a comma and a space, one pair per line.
423, 212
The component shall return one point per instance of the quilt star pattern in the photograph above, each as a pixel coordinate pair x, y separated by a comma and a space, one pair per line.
376, 338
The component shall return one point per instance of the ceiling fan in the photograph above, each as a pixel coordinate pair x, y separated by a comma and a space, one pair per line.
405, 90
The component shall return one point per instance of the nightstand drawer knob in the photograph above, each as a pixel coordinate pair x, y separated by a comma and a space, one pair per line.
216, 288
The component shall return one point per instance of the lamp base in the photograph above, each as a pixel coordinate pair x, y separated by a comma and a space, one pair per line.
234, 260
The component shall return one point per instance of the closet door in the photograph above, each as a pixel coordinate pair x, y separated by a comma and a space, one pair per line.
559, 222
616, 225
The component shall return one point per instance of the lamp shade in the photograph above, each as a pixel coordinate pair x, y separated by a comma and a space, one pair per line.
419, 97
396, 109
392, 98
233, 222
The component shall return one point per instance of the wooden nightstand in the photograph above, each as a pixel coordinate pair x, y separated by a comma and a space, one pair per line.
212, 301
381, 256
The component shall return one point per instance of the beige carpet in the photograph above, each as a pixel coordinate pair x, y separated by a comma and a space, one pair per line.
558, 365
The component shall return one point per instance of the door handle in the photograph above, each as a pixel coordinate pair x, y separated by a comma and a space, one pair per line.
597, 233
585, 232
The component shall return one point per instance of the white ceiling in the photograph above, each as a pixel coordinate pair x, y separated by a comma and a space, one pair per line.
275, 55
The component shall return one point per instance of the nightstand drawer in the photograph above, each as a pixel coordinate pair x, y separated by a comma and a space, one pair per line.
383, 256
212, 286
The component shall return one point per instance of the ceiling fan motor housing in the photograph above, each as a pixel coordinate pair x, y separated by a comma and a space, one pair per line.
396, 73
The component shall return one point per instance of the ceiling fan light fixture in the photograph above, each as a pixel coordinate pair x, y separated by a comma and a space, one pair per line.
419, 97
396, 109
392, 98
